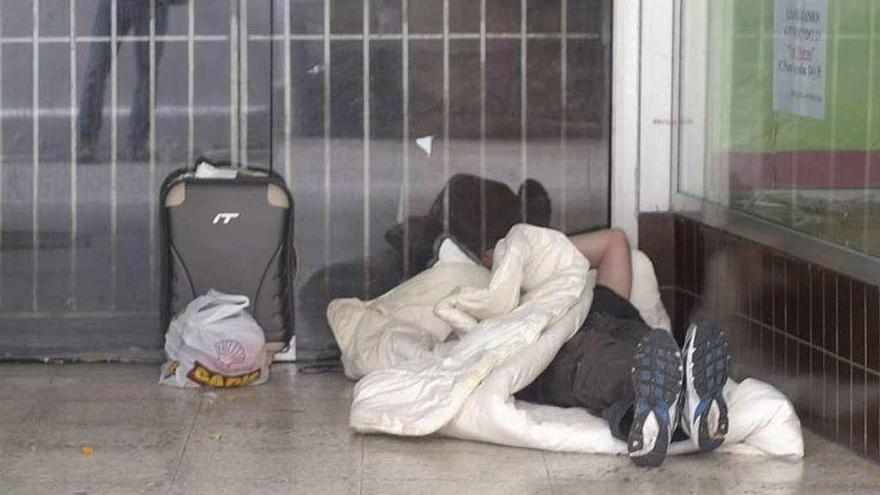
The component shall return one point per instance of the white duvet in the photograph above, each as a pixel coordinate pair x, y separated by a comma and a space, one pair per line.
444, 352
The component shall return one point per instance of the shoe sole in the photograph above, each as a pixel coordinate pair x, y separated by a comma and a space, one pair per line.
707, 361
657, 355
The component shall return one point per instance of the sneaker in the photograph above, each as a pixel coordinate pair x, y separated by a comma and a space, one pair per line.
706, 361
656, 378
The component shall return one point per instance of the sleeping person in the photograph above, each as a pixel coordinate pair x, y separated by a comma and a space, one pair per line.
615, 366
618, 368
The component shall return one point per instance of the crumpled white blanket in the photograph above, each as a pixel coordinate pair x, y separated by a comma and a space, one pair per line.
444, 352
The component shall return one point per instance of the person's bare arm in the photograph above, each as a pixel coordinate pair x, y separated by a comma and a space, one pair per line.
608, 251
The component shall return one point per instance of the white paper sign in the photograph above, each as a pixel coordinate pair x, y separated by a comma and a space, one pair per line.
799, 63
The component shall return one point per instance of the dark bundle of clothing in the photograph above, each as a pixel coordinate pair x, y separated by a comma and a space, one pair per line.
592, 369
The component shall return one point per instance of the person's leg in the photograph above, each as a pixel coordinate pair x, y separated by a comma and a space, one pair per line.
618, 368
92, 100
609, 252
139, 121
592, 369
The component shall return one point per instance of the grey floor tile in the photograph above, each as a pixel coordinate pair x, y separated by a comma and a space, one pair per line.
276, 409
59, 413
457, 487
291, 436
138, 487
18, 410
723, 467
287, 378
135, 374
114, 381
823, 468
447, 459
836, 489
315, 438
304, 454
168, 439
826, 461
621, 486
24, 380
664, 486
107, 465
17, 443
245, 484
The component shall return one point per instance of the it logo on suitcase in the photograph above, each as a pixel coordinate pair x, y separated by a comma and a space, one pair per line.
225, 217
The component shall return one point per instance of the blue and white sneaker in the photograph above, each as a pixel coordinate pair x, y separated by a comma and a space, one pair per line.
707, 360
656, 379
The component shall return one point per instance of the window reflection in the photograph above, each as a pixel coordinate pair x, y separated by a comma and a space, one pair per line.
786, 96
134, 17
516, 129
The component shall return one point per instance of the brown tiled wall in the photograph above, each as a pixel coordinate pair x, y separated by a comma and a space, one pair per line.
811, 332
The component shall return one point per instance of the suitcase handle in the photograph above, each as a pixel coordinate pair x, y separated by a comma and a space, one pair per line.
229, 164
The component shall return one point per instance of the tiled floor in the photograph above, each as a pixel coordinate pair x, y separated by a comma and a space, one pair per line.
291, 436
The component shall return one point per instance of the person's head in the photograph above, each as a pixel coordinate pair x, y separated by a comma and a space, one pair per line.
537, 202
481, 212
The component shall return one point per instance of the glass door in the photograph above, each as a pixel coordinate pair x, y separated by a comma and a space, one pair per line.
367, 107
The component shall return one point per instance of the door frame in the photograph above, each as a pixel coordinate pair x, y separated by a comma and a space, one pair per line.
642, 110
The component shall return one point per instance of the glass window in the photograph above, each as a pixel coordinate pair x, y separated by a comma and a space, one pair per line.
367, 107
780, 111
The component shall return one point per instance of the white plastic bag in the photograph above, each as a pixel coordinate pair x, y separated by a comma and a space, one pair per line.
214, 342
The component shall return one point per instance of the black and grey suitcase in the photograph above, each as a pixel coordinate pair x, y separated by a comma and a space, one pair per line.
231, 230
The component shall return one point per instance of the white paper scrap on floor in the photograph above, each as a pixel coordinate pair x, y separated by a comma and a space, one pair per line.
444, 352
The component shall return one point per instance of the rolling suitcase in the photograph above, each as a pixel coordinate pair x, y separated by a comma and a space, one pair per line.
230, 229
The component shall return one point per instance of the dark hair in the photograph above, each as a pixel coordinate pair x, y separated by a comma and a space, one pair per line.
468, 197
537, 202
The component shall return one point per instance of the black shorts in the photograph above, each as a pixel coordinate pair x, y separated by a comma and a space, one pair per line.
592, 369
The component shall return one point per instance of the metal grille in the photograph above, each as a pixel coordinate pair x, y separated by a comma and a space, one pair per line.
367, 107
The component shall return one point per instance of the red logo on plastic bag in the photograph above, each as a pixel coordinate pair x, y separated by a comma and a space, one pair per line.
230, 352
